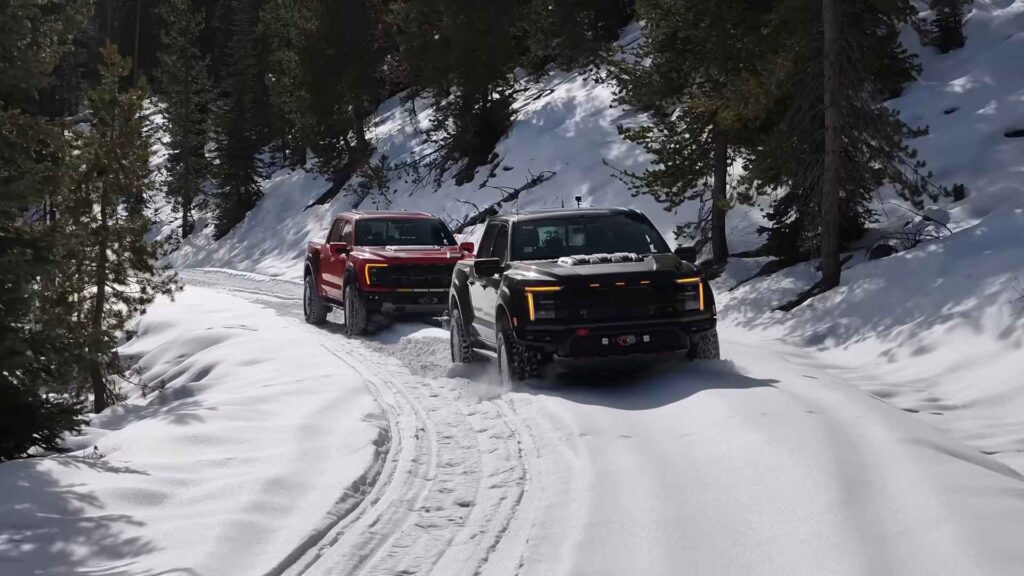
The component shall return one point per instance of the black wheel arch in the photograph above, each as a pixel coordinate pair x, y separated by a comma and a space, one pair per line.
458, 295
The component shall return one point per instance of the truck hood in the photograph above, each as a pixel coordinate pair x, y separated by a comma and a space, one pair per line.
598, 265
398, 253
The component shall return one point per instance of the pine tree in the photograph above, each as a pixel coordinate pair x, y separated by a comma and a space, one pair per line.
463, 53
37, 399
285, 30
240, 118
108, 268
689, 75
868, 140
342, 97
947, 26
572, 33
185, 88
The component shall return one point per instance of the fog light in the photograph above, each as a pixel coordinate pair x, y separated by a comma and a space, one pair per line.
647, 338
604, 341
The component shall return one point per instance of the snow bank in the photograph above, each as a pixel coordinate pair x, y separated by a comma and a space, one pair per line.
939, 328
247, 447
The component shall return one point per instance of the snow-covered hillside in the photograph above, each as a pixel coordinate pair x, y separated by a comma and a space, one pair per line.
565, 124
943, 319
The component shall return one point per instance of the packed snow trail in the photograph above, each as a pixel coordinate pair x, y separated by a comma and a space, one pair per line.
453, 478
763, 463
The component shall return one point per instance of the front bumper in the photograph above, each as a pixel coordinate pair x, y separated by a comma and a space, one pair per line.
419, 302
615, 338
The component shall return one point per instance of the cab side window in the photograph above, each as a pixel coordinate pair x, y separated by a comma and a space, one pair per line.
484, 251
346, 233
500, 248
335, 234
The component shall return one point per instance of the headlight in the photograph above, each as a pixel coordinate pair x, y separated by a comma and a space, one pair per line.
541, 301
691, 293
373, 273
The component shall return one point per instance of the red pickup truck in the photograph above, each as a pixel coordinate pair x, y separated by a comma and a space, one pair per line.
375, 265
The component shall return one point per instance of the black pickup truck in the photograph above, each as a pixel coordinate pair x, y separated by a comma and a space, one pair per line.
581, 283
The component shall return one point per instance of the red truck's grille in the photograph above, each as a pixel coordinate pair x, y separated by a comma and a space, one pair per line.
418, 276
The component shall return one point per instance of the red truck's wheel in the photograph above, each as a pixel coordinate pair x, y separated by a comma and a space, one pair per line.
355, 313
313, 308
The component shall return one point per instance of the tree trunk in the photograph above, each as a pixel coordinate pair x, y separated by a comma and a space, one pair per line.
186, 214
99, 385
719, 200
362, 147
830, 180
135, 53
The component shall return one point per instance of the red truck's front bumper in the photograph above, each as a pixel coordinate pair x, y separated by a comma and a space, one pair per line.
408, 301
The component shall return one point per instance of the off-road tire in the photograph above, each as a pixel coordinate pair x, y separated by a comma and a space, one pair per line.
705, 346
313, 308
516, 364
461, 347
355, 313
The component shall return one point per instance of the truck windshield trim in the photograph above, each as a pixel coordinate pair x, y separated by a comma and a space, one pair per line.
550, 239
403, 232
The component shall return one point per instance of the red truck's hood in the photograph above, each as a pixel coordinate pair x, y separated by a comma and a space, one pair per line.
412, 253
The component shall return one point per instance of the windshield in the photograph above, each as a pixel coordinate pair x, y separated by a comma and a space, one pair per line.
403, 232
557, 237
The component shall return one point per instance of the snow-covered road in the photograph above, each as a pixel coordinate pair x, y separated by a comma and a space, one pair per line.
764, 463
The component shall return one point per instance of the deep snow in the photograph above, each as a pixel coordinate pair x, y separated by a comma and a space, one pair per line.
251, 442
768, 462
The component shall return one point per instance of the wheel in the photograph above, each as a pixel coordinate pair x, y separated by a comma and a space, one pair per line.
462, 348
705, 346
313, 308
355, 313
515, 363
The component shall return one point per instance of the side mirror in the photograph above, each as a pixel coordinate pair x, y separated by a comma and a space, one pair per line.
467, 247
338, 247
487, 266
687, 253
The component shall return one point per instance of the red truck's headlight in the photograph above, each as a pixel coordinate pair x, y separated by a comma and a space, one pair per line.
372, 273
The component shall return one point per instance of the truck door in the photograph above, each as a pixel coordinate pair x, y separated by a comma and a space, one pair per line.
332, 265
484, 291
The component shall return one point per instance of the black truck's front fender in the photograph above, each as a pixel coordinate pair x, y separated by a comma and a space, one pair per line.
458, 294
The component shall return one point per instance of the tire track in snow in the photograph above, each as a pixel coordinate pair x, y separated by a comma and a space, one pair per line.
451, 472
463, 495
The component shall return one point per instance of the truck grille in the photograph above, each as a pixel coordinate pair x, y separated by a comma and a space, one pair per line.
629, 303
418, 276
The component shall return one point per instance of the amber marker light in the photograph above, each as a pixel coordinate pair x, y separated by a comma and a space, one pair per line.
366, 271
531, 290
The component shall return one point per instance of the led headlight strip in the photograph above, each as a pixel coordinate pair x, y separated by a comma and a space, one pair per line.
700, 288
530, 291
366, 271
